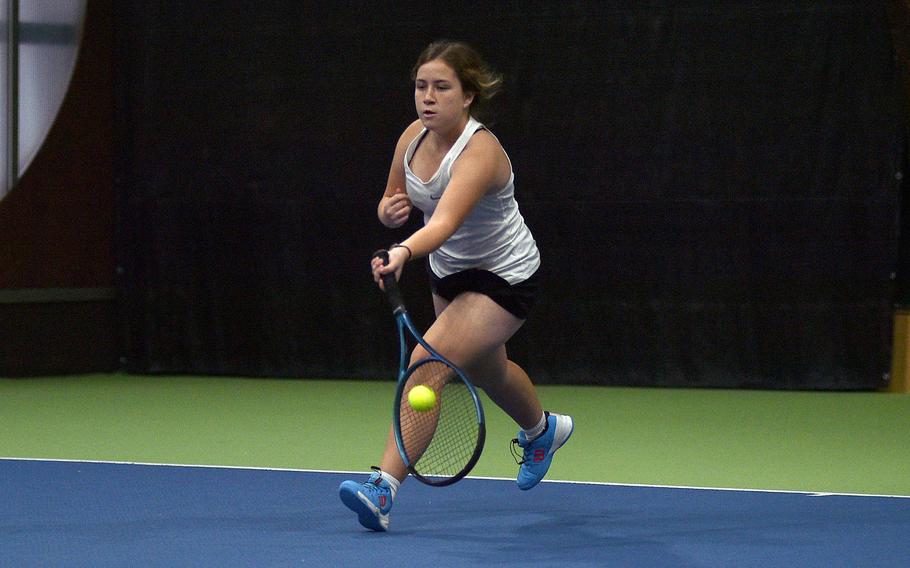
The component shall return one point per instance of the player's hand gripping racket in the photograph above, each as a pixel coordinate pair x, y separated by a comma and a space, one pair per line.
440, 444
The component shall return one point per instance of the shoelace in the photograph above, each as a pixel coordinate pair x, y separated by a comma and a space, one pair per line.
523, 455
373, 483
519, 456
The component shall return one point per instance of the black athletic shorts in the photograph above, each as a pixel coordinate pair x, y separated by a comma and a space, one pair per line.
518, 299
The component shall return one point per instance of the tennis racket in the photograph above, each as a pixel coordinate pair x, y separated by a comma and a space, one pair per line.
440, 445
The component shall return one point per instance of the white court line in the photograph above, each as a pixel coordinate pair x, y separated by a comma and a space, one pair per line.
557, 481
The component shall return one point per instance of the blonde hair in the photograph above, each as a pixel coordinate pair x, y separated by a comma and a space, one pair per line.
475, 75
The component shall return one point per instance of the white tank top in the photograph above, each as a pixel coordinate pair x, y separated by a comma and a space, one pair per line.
493, 237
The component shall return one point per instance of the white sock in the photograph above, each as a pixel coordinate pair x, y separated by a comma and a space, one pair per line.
536, 431
393, 483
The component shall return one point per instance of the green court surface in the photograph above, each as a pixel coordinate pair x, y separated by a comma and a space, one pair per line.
802, 441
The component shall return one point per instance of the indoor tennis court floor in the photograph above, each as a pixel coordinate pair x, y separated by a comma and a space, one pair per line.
72, 513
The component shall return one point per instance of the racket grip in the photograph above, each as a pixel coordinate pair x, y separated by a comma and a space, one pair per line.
390, 283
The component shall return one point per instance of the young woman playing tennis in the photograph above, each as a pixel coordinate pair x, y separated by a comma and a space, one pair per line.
482, 259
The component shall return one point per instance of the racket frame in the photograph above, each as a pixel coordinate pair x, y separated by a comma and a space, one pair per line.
404, 371
405, 326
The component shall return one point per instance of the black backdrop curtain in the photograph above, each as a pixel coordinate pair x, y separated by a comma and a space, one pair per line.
712, 185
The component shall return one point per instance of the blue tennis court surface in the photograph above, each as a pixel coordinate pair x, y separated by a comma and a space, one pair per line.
57, 513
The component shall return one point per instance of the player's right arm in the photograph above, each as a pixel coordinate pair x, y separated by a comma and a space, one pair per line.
395, 207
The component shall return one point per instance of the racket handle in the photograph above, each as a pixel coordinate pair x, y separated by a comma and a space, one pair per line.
390, 284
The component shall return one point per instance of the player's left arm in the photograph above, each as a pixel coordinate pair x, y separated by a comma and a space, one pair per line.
479, 169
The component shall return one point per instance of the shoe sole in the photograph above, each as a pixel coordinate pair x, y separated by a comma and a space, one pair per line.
563, 432
367, 514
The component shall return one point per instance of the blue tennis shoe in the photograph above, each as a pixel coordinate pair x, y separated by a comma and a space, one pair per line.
371, 500
537, 454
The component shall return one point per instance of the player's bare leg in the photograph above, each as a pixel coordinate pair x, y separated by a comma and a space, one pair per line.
391, 462
481, 328
472, 332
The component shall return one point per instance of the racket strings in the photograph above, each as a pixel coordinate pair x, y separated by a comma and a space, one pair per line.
441, 441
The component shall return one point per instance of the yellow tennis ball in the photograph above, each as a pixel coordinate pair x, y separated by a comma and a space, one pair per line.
422, 398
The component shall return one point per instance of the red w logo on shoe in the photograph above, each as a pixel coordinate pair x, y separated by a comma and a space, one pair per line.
539, 455
382, 500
